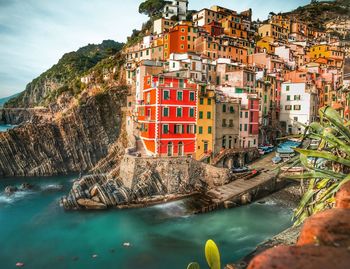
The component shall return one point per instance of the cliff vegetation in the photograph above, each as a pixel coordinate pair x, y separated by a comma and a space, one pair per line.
65, 75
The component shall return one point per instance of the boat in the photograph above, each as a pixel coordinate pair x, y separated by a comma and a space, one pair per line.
261, 152
293, 169
276, 159
239, 170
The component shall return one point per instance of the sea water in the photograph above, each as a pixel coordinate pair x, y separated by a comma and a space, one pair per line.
34, 230
5, 127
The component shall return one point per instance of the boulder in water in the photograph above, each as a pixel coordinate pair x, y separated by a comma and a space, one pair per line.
26, 186
91, 205
10, 190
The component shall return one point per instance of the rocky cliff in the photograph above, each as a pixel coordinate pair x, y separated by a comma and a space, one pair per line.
75, 140
16, 116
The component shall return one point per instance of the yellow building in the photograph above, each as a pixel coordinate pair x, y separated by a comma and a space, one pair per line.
205, 122
326, 51
266, 43
275, 31
234, 27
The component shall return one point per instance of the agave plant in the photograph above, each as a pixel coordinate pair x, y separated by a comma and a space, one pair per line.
212, 256
327, 166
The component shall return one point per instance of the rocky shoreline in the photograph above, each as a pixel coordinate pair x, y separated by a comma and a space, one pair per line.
141, 182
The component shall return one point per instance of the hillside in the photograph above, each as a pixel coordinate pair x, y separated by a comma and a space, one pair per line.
318, 13
4, 100
65, 75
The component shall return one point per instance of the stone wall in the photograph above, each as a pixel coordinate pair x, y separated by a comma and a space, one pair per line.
172, 171
324, 241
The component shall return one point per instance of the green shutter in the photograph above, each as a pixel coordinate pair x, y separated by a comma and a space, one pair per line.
191, 112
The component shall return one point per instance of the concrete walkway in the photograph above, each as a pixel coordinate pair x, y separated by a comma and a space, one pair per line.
219, 197
240, 186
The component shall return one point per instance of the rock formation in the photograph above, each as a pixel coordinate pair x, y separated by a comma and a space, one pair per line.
142, 181
74, 141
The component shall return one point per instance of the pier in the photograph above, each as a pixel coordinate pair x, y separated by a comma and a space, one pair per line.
241, 190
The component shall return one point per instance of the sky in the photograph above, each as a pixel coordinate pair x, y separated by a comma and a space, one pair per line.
34, 34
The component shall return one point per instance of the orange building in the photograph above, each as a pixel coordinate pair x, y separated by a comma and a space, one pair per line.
180, 39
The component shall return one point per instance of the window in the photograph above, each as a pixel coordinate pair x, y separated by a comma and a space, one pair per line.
201, 114
231, 123
246, 115
181, 83
288, 97
287, 88
179, 129
240, 127
206, 147
179, 95
165, 128
224, 123
191, 129
295, 118
245, 127
232, 110
241, 114
148, 98
200, 130
191, 96
297, 107
208, 115
209, 130
297, 97
288, 107
224, 108
161, 80
166, 95
201, 101
209, 102
191, 112
179, 112
165, 111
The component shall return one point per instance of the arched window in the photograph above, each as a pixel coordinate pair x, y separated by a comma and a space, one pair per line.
224, 108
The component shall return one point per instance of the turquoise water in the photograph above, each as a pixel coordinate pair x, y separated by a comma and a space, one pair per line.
5, 127
36, 231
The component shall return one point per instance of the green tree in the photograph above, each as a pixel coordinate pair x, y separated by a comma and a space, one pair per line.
152, 8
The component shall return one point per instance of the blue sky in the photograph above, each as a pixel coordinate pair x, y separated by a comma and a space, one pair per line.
34, 34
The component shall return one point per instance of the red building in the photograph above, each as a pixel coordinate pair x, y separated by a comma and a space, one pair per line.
168, 116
